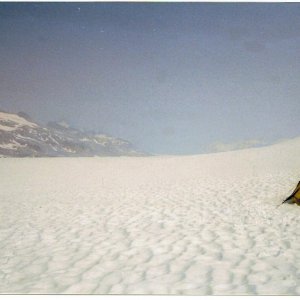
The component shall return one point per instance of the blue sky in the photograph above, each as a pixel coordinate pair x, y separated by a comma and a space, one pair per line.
173, 78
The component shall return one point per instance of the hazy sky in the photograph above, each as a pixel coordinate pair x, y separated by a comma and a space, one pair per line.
170, 77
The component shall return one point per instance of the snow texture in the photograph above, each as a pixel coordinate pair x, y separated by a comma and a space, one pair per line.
199, 225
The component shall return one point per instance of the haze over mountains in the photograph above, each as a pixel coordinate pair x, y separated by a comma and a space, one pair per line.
20, 136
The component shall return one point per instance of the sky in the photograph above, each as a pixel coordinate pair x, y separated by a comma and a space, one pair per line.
172, 78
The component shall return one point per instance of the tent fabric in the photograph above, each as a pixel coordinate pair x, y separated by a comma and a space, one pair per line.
295, 196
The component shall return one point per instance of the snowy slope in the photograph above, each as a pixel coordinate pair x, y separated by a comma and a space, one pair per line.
205, 224
21, 137
10, 122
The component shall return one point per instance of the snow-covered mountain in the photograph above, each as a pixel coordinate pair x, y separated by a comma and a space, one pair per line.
21, 137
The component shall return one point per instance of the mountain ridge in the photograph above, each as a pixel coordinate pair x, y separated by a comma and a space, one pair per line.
20, 136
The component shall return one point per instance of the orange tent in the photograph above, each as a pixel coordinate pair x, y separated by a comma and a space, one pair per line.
295, 196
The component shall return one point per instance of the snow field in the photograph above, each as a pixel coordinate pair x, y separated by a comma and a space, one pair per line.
199, 225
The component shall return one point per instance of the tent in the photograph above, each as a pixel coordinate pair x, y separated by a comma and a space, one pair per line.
295, 196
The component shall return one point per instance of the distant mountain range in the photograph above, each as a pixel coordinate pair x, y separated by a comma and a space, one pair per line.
20, 136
